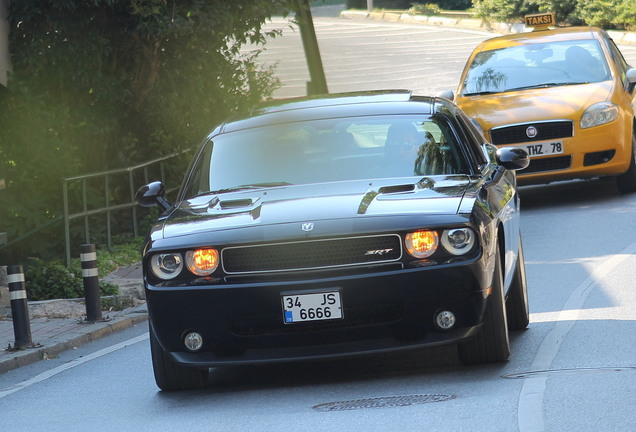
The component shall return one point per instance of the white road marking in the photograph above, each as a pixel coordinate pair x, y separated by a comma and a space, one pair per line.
70, 365
530, 408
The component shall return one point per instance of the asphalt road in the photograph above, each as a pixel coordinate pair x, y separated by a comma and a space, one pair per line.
371, 55
572, 370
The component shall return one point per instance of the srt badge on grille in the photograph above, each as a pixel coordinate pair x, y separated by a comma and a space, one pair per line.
531, 132
307, 226
378, 252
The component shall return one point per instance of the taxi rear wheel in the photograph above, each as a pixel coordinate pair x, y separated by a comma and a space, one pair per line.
627, 182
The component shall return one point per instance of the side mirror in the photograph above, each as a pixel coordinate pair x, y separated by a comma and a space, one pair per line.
512, 158
151, 195
631, 79
446, 94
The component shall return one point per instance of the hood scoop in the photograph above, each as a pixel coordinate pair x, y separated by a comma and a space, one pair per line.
396, 189
371, 194
229, 207
233, 204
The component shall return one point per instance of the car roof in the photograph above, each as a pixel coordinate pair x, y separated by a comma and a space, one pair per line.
391, 102
542, 36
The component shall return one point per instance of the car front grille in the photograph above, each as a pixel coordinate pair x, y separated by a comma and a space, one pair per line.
544, 131
547, 164
312, 254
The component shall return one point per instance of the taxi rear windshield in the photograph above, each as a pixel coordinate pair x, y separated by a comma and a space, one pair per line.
536, 65
328, 150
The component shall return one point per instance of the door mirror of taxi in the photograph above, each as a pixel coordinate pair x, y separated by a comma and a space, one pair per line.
446, 94
631, 79
513, 158
152, 194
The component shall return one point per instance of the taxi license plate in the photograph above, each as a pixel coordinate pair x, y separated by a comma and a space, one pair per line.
316, 306
542, 149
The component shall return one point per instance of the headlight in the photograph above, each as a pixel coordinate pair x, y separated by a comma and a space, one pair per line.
458, 241
202, 262
166, 265
422, 244
598, 114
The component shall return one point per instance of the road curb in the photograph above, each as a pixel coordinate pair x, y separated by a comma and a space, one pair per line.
467, 23
104, 328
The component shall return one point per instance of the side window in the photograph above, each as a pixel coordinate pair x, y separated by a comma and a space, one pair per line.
619, 60
199, 180
475, 138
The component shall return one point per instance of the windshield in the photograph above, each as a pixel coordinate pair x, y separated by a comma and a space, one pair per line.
536, 65
327, 151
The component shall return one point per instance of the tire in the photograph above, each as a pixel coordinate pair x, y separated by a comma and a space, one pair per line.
517, 309
171, 376
627, 182
491, 344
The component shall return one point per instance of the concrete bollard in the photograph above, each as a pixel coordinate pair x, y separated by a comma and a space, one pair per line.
92, 297
19, 307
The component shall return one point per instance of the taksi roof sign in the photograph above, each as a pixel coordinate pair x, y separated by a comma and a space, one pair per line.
540, 21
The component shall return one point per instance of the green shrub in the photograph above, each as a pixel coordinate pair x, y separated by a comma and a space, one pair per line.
425, 9
618, 14
455, 4
458, 5
626, 14
46, 280
596, 13
502, 10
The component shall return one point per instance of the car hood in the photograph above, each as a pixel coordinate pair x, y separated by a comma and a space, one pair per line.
439, 195
562, 102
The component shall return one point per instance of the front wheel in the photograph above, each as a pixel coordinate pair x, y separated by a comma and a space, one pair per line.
170, 375
492, 343
517, 309
627, 182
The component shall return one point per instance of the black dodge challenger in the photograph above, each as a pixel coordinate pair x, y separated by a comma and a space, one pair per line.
341, 225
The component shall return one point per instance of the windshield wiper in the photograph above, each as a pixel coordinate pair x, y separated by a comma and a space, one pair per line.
487, 92
546, 85
249, 186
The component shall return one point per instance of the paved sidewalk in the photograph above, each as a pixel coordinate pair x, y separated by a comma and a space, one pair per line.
60, 325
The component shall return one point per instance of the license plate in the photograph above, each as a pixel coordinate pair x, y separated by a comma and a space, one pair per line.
317, 306
542, 149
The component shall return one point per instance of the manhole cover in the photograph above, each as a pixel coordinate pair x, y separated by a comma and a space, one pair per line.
383, 402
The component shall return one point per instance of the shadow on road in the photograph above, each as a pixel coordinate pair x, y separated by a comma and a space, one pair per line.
569, 193
410, 364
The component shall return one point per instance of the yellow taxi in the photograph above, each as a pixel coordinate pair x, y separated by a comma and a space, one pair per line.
565, 95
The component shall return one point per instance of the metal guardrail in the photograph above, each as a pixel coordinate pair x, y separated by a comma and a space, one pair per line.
108, 207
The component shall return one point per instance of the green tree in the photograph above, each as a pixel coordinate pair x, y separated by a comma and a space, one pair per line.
101, 84
618, 14
597, 13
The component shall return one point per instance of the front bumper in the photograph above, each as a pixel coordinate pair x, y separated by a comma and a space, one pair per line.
596, 152
385, 309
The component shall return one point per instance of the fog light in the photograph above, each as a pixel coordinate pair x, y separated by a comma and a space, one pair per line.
445, 320
193, 341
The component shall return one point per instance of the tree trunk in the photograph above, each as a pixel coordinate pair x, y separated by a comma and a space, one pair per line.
5, 58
